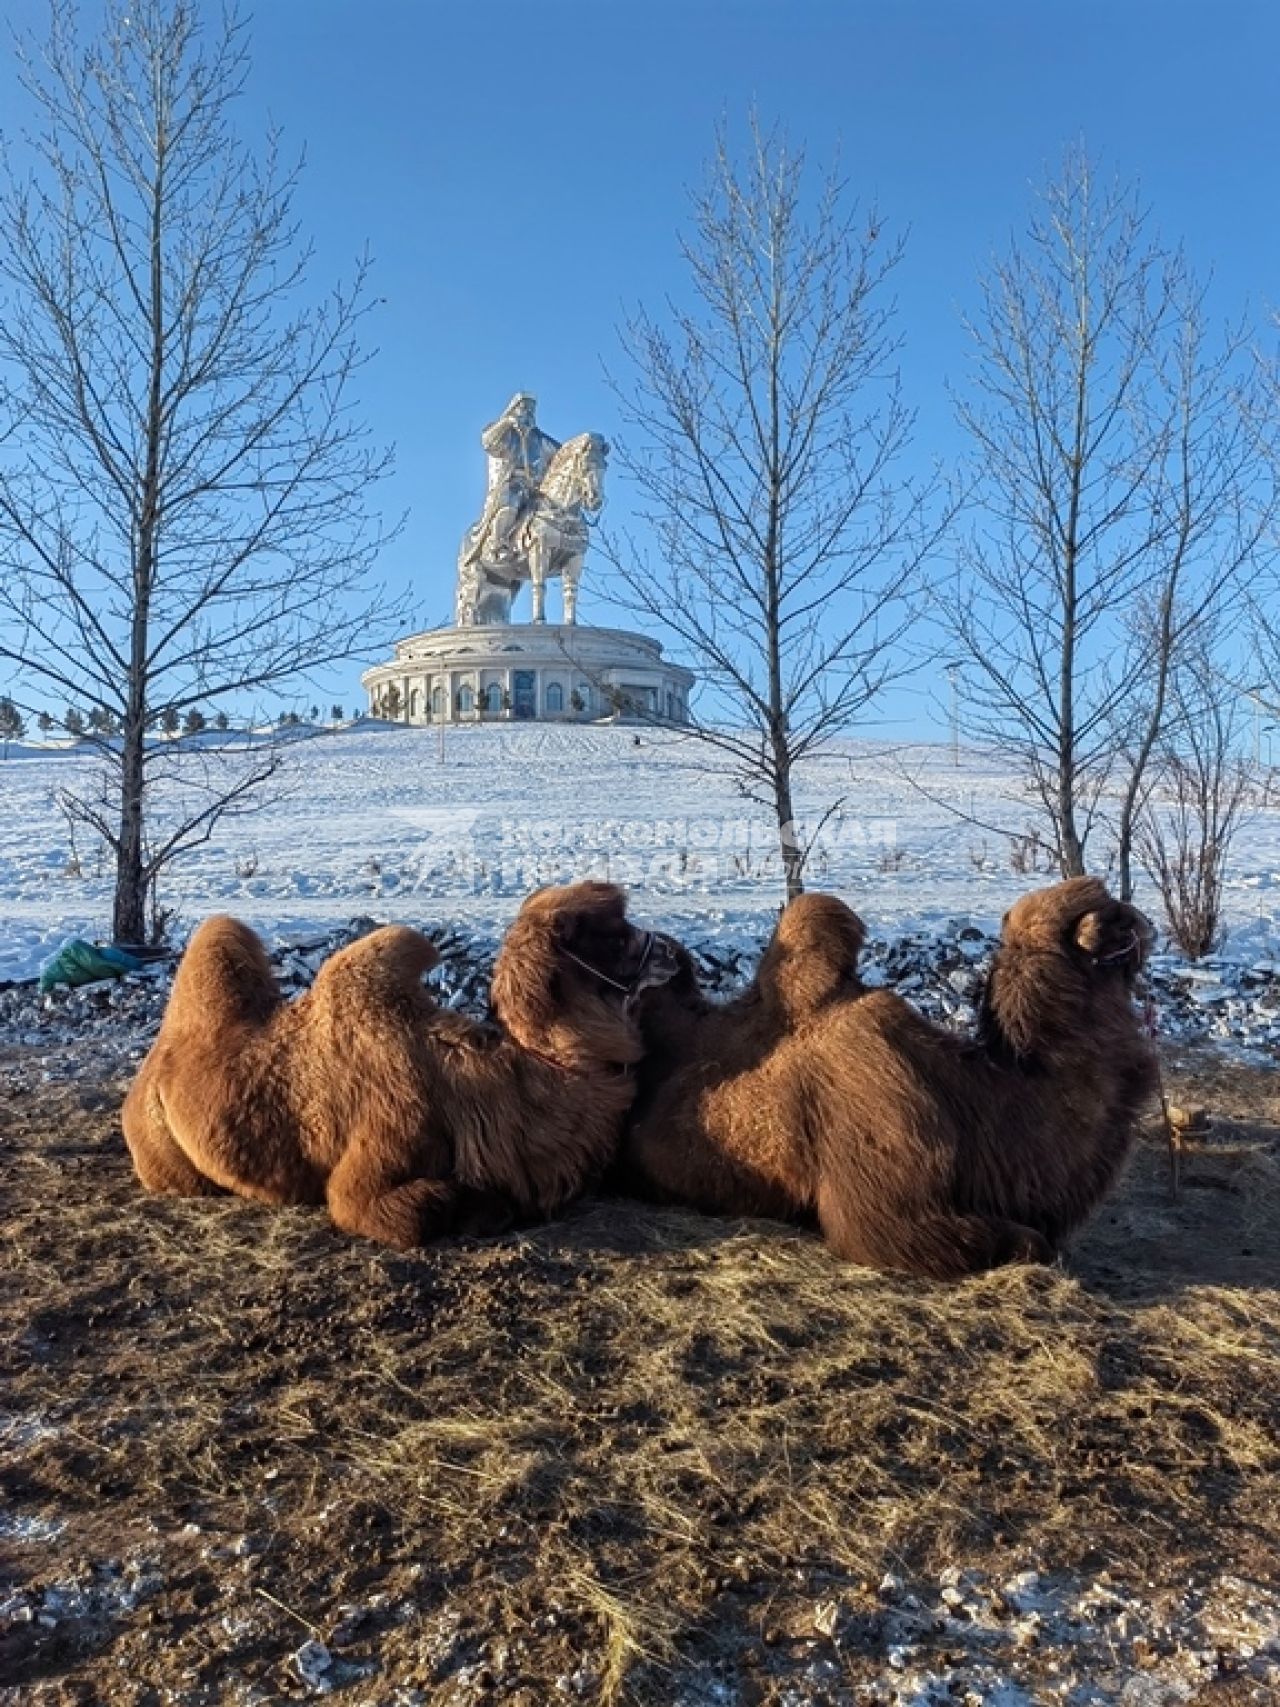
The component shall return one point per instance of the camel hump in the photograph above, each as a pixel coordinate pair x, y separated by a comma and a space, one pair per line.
389, 962
225, 978
813, 956
826, 925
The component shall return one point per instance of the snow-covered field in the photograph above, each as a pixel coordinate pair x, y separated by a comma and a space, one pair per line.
383, 821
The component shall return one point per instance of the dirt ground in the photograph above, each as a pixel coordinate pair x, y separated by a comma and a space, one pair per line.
636, 1455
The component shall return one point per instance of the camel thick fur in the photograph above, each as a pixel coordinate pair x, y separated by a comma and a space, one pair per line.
407, 1120
913, 1149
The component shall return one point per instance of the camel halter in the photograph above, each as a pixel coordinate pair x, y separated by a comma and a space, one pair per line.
1119, 954
628, 990
616, 983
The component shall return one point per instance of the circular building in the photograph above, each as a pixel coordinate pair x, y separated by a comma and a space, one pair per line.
559, 672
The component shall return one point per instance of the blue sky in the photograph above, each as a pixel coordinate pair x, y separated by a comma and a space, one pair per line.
520, 174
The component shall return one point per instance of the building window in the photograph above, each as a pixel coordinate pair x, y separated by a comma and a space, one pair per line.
437, 701
466, 700
555, 697
493, 698
415, 704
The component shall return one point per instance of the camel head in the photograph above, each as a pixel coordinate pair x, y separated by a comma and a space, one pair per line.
1065, 953
570, 971
1080, 921
665, 1011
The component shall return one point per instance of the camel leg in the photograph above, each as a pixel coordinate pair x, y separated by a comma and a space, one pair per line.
483, 1214
936, 1244
158, 1162
369, 1200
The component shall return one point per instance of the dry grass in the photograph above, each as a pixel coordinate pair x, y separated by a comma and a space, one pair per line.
637, 1439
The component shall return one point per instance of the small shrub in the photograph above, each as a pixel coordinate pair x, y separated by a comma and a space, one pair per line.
1203, 790
1028, 854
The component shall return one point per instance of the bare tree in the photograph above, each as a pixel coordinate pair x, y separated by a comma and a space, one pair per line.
183, 486
764, 424
1214, 502
1113, 487
1200, 793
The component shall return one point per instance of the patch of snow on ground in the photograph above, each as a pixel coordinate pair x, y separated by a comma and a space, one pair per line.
373, 820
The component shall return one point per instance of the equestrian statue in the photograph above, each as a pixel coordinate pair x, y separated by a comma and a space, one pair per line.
543, 498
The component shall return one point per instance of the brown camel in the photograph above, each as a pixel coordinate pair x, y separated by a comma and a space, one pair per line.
913, 1149
409, 1121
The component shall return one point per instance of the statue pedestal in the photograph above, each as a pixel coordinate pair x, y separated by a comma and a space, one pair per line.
529, 672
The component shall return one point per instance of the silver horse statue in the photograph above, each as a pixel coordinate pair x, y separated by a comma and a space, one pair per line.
549, 540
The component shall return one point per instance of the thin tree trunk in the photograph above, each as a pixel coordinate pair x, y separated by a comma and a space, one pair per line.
129, 916
132, 880
1070, 849
1138, 771
788, 841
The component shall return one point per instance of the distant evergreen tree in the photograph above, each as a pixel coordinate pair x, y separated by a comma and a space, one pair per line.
73, 722
170, 722
194, 721
12, 727
335, 712
44, 722
222, 721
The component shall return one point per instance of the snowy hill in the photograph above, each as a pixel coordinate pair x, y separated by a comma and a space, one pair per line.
378, 820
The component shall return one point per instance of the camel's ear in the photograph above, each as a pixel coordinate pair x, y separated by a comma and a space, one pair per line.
1116, 935
684, 980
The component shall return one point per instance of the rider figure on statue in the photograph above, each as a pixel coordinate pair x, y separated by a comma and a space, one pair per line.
518, 452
